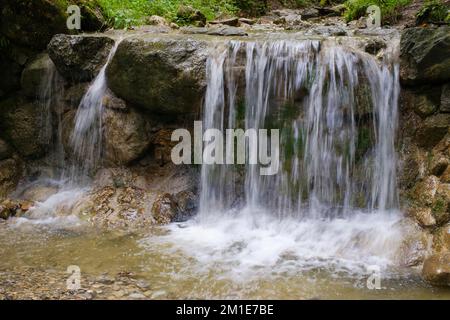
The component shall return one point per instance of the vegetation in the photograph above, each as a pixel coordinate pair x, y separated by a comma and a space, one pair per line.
433, 11
390, 9
124, 13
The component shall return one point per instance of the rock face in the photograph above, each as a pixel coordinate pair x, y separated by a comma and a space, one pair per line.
79, 58
33, 73
425, 55
125, 136
177, 79
23, 125
10, 174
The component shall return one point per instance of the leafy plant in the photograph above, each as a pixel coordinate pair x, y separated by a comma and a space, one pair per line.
389, 8
433, 11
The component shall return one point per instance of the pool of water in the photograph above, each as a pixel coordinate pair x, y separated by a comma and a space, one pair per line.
188, 261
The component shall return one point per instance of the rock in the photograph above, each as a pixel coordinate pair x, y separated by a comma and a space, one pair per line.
424, 55
234, 22
445, 99
424, 191
164, 208
194, 30
432, 130
173, 25
438, 164
5, 150
33, 74
110, 101
136, 295
436, 269
117, 208
10, 79
125, 136
92, 18
247, 21
227, 31
176, 83
8, 209
74, 94
10, 173
361, 23
441, 239
188, 15
333, 31
39, 193
79, 58
373, 46
32, 23
187, 203
24, 125
445, 177
156, 21
414, 245
425, 102
441, 204
423, 216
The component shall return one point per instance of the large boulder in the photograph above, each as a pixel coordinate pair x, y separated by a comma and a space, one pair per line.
165, 76
436, 269
425, 55
24, 126
5, 150
79, 58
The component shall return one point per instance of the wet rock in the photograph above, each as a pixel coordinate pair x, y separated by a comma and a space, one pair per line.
333, 31
125, 135
432, 130
438, 164
441, 204
33, 73
445, 177
227, 31
79, 58
425, 104
414, 246
176, 83
24, 126
424, 192
189, 15
424, 55
156, 21
423, 216
445, 99
5, 150
12, 208
39, 193
441, 239
187, 203
373, 46
74, 94
436, 269
164, 208
10, 173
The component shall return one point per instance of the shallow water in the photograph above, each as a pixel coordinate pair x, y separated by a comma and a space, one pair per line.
210, 261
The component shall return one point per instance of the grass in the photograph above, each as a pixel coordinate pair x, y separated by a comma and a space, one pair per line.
390, 9
433, 11
125, 13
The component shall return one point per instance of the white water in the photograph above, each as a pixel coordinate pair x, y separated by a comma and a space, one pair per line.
86, 137
327, 207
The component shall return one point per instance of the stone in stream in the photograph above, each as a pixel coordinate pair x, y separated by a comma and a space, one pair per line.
31, 80
234, 22
445, 98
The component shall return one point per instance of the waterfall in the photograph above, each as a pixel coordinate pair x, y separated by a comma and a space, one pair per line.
51, 92
333, 203
86, 137
336, 109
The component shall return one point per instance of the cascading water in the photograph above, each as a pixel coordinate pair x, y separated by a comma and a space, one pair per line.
334, 197
86, 137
